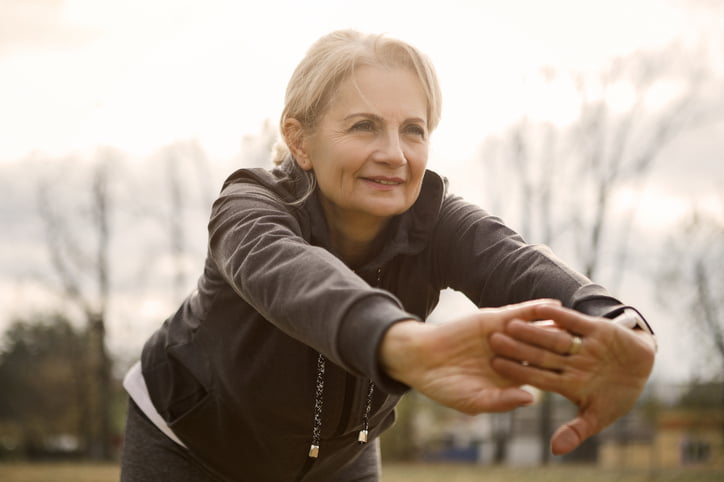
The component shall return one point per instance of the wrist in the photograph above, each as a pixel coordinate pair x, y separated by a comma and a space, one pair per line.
631, 318
397, 352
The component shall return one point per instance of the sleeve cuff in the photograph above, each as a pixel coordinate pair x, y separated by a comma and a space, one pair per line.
359, 341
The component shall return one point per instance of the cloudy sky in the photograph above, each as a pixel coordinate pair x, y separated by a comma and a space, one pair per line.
139, 74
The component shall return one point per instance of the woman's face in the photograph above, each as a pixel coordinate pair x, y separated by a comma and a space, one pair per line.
369, 151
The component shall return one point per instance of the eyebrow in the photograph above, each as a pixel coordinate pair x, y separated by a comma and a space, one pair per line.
378, 118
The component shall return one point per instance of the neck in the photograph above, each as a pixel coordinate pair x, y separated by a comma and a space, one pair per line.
355, 242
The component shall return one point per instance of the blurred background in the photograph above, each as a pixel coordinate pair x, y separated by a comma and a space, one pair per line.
594, 127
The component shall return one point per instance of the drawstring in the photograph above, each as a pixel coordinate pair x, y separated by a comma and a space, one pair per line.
362, 437
319, 399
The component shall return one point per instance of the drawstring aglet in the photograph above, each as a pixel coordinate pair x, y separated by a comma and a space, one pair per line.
313, 451
362, 438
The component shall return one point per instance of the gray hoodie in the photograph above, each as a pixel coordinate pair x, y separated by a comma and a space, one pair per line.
234, 371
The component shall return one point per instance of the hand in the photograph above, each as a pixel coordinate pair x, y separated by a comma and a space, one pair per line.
450, 362
604, 378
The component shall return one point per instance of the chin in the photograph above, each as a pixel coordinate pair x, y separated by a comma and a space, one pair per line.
387, 211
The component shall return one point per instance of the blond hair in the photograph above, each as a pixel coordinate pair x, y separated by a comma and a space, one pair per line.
333, 59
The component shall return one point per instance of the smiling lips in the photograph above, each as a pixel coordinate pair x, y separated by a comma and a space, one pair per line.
384, 181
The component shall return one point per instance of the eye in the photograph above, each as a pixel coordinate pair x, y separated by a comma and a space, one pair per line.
415, 129
364, 126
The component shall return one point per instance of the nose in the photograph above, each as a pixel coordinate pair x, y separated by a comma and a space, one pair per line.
390, 150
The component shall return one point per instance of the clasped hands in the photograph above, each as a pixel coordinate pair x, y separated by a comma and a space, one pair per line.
478, 363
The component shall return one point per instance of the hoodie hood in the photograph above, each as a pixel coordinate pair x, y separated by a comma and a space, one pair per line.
407, 234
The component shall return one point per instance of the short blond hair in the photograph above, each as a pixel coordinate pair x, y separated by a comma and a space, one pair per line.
333, 59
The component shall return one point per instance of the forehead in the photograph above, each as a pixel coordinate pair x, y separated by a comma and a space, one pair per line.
386, 92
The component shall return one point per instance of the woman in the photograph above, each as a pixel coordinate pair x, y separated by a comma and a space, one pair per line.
288, 360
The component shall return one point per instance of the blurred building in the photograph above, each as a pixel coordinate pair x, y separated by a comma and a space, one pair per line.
656, 434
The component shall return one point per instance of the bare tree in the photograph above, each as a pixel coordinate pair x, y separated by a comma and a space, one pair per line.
692, 267
79, 252
188, 181
562, 179
618, 145
521, 171
176, 225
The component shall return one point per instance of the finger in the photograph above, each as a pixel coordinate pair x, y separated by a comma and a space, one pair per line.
543, 379
503, 400
550, 324
528, 310
512, 348
555, 340
569, 320
571, 435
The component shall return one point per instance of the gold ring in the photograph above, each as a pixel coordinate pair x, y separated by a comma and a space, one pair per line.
575, 345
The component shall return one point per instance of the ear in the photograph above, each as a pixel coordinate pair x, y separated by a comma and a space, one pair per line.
294, 135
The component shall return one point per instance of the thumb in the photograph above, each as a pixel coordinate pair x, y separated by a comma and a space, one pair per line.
571, 435
504, 399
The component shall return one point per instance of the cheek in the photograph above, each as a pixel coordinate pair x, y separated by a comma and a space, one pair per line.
418, 161
417, 173
345, 157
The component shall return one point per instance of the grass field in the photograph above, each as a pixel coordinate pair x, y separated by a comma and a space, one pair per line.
11, 472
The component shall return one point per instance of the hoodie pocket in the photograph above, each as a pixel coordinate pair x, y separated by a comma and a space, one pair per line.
191, 378
174, 389
184, 404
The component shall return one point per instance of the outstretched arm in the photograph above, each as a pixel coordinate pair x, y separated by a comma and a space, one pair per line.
604, 378
451, 362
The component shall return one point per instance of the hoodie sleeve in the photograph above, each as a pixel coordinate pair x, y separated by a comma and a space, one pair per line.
483, 258
256, 242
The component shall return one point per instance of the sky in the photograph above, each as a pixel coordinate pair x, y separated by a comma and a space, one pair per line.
139, 74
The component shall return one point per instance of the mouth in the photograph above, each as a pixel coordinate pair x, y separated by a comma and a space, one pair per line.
384, 181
